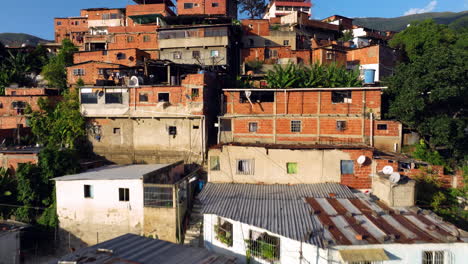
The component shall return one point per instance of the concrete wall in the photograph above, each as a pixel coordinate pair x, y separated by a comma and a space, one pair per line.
10, 247
148, 140
394, 195
161, 223
314, 166
187, 55
290, 250
92, 220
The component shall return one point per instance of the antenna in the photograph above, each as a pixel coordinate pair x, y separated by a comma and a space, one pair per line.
361, 160
387, 170
395, 177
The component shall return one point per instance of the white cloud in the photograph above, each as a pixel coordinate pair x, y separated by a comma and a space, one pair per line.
430, 7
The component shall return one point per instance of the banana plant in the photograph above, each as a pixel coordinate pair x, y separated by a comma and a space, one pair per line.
283, 77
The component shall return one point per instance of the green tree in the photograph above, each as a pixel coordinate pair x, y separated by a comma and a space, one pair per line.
253, 8
60, 126
55, 71
428, 92
7, 192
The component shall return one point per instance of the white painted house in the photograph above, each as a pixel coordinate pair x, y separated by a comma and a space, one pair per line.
111, 201
322, 223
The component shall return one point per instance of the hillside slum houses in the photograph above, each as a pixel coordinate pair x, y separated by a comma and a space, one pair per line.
251, 174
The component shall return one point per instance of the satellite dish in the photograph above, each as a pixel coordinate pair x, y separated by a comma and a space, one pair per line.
387, 170
361, 160
248, 94
135, 81
395, 177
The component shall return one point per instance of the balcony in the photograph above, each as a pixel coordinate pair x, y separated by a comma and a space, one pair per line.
198, 37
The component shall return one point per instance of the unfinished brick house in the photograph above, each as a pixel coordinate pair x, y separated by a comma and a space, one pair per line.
13, 120
380, 58
73, 28
282, 40
338, 116
95, 73
227, 8
155, 118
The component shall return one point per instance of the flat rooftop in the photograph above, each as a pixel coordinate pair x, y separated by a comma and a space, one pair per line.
115, 172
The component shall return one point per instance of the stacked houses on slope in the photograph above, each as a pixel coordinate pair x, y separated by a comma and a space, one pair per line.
294, 175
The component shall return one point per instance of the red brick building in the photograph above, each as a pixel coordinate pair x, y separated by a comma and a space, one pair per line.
308, 116
207, 7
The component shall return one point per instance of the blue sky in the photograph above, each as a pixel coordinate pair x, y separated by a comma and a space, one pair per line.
36, 16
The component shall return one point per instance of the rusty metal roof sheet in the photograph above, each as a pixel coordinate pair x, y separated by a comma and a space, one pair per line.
325, 214
132, 248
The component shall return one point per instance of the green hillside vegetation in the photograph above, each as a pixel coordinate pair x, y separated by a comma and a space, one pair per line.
17, 39
454, 20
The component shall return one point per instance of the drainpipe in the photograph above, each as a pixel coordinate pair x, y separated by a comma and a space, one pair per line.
285, 103
179, 231
203, 141
372, 129
219, 131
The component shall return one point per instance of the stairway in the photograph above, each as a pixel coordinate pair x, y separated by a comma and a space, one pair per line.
194, 233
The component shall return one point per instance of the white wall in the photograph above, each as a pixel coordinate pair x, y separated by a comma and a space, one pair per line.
103, 217
455, 253
289, 249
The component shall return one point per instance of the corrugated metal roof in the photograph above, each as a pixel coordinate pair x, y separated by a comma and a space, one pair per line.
325, 214
132, 248
280, 209
114, 172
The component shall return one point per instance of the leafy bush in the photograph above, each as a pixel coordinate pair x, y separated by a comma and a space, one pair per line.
255, 65
315, 76
424, 153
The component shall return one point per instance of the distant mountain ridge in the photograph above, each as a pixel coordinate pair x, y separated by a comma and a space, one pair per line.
18, 39
454, 20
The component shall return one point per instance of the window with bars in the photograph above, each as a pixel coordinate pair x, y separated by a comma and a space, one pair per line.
177, 55
78, 72
245, 166
223, 231
214, 163
433, 257
113, 98
264, 246
130, 39
89, 98
158, 197
124, 194
296, 126
146, 38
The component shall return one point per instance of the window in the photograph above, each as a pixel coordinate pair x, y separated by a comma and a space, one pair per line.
105, 16
196, 54
214, 163
291, 167
143, 97
116, 130
113, 98
245, 167
214, 4
195, 93
163, 97
158, 197
286, 42
381, 126
177, 55
253, 126
172, 130
89, 98
130, 39
59, 23
433, 257
223, 231
264, 246
78, 72
146, 38
77, 23
258, 97
188, 5
340, 125
347, 167
113, 16
124, 194
88, 191
104, 52
271, 54
214, 53
339, 97
330, 55
121, 56
296, 126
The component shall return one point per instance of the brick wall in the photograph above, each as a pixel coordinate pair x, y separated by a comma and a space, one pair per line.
131, 57
91, 72
256, 27
12, 160
70, 28
148, 9
204, 7
141, 40
361, 179
284, 52
362, 56
448, 181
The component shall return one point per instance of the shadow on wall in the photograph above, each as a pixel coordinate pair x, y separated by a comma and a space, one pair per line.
241, 259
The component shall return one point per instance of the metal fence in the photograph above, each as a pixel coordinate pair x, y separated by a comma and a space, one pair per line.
264, 246
158, 197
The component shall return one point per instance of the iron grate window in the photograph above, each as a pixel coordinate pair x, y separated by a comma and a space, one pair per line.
158, 197
296, 126
433, 257
113, 98
264, 246
253, 127
124, 194
223, 231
